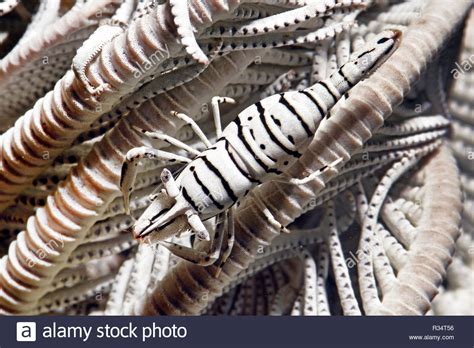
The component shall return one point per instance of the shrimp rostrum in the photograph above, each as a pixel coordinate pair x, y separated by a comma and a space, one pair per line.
265, 139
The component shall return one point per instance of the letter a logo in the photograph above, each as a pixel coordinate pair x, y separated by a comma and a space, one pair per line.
26, 332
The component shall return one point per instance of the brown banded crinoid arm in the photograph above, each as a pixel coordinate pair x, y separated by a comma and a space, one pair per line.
457, 295
431, 250
32, 67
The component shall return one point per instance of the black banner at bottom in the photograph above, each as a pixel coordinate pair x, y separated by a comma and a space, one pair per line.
326, 332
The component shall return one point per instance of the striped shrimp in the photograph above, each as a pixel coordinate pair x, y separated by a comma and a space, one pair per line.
263, 141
